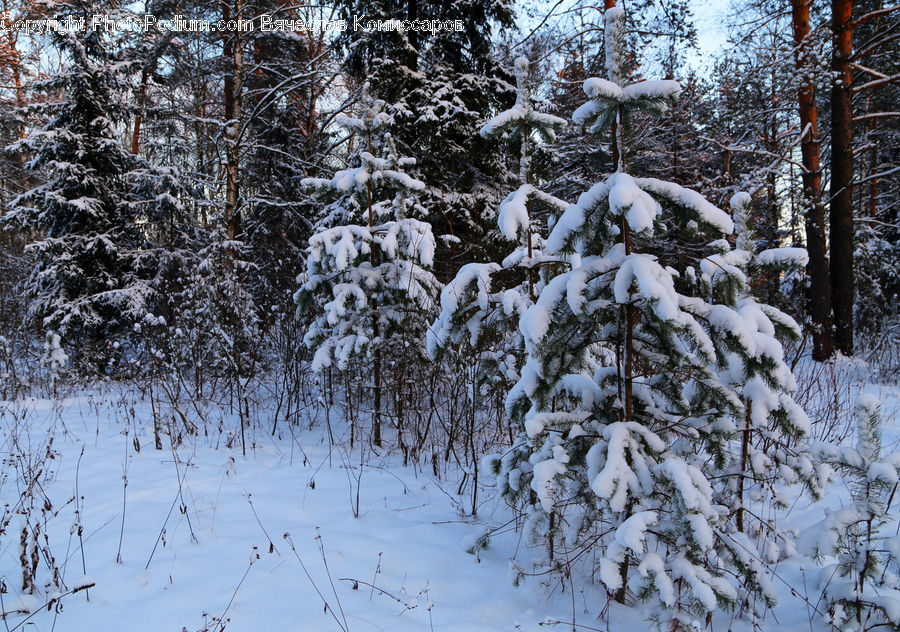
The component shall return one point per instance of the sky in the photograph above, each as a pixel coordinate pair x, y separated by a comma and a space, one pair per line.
711, 19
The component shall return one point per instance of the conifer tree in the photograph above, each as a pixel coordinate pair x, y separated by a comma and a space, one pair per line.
368, 292
442, 86
482, 304
627, 400
94, 265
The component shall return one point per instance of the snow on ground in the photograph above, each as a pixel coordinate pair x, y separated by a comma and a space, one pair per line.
218, 547
216, 556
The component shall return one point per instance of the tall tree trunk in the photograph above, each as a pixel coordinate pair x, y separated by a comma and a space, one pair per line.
233, 90
141, 101
745, 452
20, 90
139, 117
525, 176
15, 66
817, 268
412, 14
772, 286
200, 100
630, 323
842, 174
15, 63
618, 156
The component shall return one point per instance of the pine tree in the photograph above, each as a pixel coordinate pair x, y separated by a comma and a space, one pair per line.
481, 306
94, 266
820, 306
627, 399
368, 292
862, 589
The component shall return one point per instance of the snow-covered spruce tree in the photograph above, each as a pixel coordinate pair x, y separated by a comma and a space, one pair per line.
627, 401
368, 292
442, 86
93, 270
862, 588
481, 306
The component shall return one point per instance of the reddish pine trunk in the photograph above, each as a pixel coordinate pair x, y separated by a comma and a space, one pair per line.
9, 54
842, 175
817, 268
138, 118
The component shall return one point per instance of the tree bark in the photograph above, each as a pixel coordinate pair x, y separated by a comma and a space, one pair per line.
630, 323
233, 90
745, 450
412, 14
817, 268
14, 63
10, 55
842, 281
139, 117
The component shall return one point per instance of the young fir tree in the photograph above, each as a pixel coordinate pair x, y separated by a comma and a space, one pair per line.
93, 270
627, 401
862, 589
368, 292
482, 304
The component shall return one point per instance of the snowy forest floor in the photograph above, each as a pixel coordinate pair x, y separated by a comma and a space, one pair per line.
298, 534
